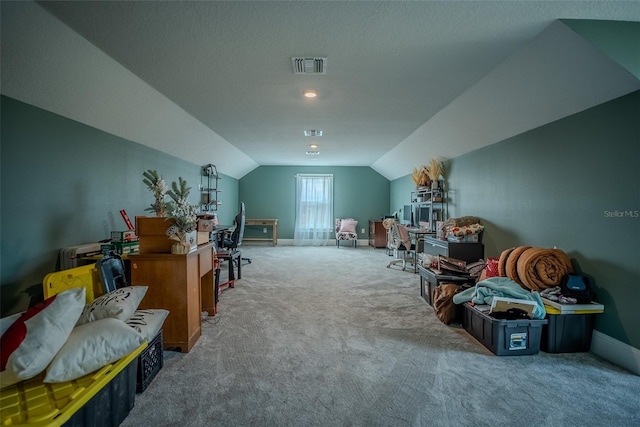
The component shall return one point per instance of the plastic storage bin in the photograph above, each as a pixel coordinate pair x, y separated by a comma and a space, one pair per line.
149, 363
102, 398
567, 333
503, 337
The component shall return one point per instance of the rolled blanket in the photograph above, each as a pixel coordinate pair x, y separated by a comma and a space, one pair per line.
540, 268
502, 262
512, 263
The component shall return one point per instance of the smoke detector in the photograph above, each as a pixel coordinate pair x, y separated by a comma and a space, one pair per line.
316, 65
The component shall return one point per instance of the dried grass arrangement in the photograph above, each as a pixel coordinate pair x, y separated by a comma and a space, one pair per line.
435, 169
420, 176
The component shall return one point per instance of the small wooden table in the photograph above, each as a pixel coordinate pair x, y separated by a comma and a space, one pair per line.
273, 223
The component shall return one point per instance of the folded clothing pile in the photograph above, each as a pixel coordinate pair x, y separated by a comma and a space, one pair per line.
534, 268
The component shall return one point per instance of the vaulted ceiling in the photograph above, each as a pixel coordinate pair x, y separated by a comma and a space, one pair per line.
212, 81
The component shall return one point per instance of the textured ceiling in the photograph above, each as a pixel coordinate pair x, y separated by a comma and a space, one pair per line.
402, 77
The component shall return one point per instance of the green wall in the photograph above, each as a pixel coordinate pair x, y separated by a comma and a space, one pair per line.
63, 184
401, 189
573, 184
270, 192
620, 40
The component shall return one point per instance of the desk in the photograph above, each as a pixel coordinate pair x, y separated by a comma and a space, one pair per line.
273, 223
417, 234
182, 284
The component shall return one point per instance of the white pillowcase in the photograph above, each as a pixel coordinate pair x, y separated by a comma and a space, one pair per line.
28, 346
119, 304
92, 346
5, 322
148, 322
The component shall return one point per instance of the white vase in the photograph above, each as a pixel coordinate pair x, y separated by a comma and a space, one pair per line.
191, 240
434, 185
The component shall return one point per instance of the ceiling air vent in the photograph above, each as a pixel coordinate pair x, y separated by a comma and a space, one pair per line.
312, 132
309, 65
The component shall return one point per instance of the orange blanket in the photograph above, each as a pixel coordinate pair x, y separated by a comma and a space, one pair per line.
511, 266
502, 262
540, 268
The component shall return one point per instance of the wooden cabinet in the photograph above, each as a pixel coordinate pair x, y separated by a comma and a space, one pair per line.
377, 234
468, 252
182, 284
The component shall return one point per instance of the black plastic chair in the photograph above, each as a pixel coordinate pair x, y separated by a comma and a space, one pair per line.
112, 273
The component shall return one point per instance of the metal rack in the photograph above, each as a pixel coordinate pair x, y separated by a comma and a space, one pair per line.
429, 205
209, 201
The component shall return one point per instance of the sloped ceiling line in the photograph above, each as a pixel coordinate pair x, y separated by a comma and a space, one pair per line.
558, 74
47, 64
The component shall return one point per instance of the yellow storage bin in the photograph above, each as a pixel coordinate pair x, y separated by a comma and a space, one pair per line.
108, 393
85, 276
34, 403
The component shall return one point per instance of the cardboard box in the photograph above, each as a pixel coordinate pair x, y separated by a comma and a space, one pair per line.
106, 248
124, 236
203, 237
205, 224
124, 248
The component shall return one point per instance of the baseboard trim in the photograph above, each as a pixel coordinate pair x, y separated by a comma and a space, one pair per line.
289, 242
616, 352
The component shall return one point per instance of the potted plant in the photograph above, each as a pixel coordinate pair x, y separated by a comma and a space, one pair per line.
183, 230
158, 187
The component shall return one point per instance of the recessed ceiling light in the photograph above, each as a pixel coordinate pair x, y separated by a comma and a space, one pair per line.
314, 146
312, 132
310, 94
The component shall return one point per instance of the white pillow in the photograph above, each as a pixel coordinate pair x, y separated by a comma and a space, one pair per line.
5, 322
119, 304
92, 346
348, 226
148, 322
32, 340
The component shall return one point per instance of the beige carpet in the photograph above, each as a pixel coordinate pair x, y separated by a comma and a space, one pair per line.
331, 337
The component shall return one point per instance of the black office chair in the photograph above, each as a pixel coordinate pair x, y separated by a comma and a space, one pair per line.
234, 240
231, 242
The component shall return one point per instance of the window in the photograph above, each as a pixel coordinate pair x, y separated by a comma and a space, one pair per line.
314, 210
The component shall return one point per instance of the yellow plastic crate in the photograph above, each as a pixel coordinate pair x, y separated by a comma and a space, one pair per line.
34, 403
85, 276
